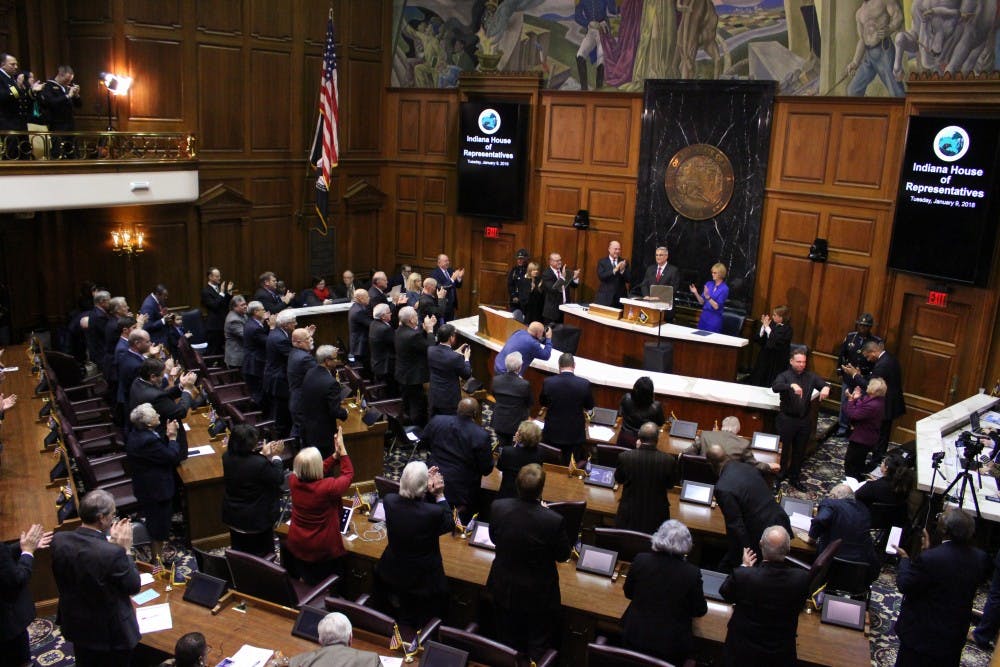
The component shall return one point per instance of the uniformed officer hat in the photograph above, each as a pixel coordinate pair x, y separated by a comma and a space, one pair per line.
522, 254
865, 320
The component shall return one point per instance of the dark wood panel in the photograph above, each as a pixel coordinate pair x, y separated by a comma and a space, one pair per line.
272, 20
860, 159
91, 55
852, 233
607, 205
565, 133
224, 17
407, 187
220, 68
158, 13
222, 246
560, 239
437, 127
311, 72
358, 241
271, 191
406, 234
408, 126
161, 266
366, 20
832, 315
271, 114
365, 103
795, 225
562, 199
271, 250
435, 189
611, 135
433, 238
89, 11
805, 148
790, 284
158, 95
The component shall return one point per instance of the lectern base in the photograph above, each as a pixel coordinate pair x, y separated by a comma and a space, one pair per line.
658, 357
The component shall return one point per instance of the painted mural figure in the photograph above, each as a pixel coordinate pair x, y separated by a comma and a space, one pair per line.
697, 30
877, 22
657, 37
949, 36
426, 72
592, 16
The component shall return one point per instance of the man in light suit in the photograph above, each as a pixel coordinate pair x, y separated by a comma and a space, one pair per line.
566, 398
335, 634
447, 368
660, 273
449, 281
736, 446
611, 274
95, 577
233, 329
557, 287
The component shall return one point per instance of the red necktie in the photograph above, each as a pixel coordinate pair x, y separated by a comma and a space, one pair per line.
659, 272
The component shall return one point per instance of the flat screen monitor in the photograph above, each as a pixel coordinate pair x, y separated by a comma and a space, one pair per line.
346, 514
378, 512
604, 417
204, 589
946, 218
711, 581
480, 536
796, 506
601, 476
698, 493
439, 655
492, 159
307, 623
843, 611
765, 442
596, 560
682, 429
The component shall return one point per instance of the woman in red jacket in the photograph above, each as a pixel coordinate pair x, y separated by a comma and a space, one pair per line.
314, 536
866, 413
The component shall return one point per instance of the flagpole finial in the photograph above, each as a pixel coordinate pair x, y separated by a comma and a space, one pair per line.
329, 14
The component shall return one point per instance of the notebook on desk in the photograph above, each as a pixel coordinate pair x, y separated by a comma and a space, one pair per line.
601, 476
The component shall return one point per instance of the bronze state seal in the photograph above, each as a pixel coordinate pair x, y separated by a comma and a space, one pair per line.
699, 181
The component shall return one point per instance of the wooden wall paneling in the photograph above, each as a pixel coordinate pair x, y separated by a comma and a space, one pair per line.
438, 127
222, 246
432, 237
854, 232
89, 11
495, 258
560, 197
90, 55
154, 13
613, 146
161, 265
367, 21
272, 21
158, 95
860, 161
358, 241
841, 292
270, 113
435, 190
222, 126
406, 234
271, 247
270, 192
565, 136
562, 239
804, 154
791, 283
363, 106
220, 17
408, 127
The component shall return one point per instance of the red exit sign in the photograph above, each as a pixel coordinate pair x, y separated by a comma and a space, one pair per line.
492, 231
939, 299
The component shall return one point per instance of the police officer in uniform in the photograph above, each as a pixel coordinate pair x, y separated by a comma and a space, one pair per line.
850, 353
516, 274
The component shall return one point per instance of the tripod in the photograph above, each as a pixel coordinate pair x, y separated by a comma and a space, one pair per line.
966, 478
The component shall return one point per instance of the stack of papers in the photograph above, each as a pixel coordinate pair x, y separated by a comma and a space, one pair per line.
598, 432
250, 656
154, 618
200, 451
801, 521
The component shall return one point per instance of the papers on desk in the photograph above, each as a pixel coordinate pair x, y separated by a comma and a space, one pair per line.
250, 656
801, 521
200, 451
145, 578
991, 418
853, 483
598, 432
9, 369
145, 596
154, 618
389, 661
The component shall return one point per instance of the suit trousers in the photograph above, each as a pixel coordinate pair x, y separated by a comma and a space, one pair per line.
86, 657
885, 429
528, 630
415, 404
216, 342
794, 434
16, 651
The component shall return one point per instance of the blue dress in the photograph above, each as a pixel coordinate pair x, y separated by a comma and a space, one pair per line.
711, 319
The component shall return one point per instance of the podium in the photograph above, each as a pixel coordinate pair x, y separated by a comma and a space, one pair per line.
645, 313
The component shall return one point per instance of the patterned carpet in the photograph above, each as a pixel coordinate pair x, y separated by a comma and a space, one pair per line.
820, 473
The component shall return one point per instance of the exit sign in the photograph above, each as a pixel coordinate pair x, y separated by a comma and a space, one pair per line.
939, 299
492, 231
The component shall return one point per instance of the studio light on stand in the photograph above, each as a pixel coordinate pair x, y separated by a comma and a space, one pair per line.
116, 85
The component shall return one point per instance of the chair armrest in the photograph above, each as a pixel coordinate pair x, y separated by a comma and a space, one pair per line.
800, 563
87, 416
363, 599
320, 589
601, 640
212, 357
89, 404
549, 658
87, 389
690, 662
472, 628
429, 630
111, 458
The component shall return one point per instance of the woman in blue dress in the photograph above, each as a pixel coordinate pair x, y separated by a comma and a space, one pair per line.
712, 299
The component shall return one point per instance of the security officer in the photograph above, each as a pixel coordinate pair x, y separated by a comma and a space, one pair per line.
516, 274
850, 353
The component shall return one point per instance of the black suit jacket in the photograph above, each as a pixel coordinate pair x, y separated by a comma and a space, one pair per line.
97, 324
95, 579
359, 320
170, 403
299, 363
666, 593
446, 367
381, 341
461, 449
612, 287
552, 287
748, 506
152, 460
646, 475
671, 276
252, 490
429, 304
270, 300
411, 355
279, 346
938, 587
319, 409
513, 395
155, 326
254, 347
512, 458
411, 562
217, 307
530, 540
566, 396
768, 600
17, 607
129, 364
57, 107
887, 368
11, 108
443, 279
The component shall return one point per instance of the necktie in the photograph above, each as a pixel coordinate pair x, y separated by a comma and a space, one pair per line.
559, 276
659, 272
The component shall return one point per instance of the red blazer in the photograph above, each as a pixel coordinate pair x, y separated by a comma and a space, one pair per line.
314, 535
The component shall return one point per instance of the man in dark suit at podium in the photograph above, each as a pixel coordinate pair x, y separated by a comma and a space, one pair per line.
660, 273
611, 272
567, 397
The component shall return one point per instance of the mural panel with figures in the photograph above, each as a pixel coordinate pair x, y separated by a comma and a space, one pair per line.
810, 47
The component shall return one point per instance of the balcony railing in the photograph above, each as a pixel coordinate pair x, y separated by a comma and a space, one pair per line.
22, 148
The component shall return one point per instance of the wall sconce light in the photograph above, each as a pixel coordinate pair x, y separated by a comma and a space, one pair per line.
128, 241
114, 84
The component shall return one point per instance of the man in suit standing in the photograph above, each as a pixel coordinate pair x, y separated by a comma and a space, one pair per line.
768, 600
460, 448
530, 539
233, 328
611, 274
660, 273
171, 403
938, 587
381, 344
433, 302
95, 577
17, 607
97, 324
359, 321
532, 343
139, 346
746, 502
58, 98
215, 299
13, 91
267, 293
566, 398
513, 399
400, 278
379, 293
279, 346
557, 287
335, 634
300, 360
154, 307
449, 281
884, 366
646, 475
412, 341
447, 368
255, 333
319, 402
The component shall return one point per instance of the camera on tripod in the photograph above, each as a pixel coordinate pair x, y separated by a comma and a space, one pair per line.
972, 447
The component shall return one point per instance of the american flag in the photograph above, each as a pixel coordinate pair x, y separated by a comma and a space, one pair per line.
325, 153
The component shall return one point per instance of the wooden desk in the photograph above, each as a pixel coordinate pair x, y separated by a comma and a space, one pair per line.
621, 343
591, 602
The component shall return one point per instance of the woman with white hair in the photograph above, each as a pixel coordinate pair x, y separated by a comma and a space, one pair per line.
411, 570
152, 460
666, 594
866, 412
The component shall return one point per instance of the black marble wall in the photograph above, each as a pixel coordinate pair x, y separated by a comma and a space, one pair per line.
735, 117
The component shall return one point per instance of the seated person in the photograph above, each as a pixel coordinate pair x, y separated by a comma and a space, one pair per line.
736, 446
191, 650
895, 484
842, 517
335, 635
638, 407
